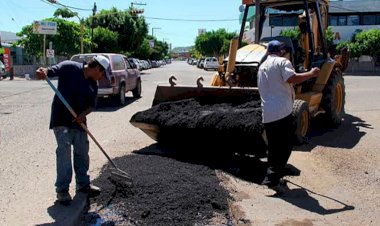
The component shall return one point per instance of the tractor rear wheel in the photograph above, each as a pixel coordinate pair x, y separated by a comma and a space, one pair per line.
301, 120
333, 99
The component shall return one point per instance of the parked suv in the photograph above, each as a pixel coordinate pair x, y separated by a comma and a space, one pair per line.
121, 76
211, 63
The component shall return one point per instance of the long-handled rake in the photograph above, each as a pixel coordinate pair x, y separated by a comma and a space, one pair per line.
117, 174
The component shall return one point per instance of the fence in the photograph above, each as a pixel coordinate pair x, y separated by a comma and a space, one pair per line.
28, 64
362, 64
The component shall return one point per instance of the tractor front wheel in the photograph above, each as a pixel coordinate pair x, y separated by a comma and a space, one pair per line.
301, 120
333, 99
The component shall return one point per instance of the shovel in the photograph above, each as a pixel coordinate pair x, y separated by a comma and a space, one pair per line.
116, 175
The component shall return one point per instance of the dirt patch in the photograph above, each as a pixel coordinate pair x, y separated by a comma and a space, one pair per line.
232, 126
165, 192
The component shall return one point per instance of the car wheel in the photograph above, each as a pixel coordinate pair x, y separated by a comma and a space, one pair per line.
137, 91
122, 95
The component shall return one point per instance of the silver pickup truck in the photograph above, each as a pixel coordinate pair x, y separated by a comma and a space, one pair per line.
122, 77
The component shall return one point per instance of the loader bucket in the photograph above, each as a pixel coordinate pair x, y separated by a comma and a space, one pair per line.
221, 118
209, 94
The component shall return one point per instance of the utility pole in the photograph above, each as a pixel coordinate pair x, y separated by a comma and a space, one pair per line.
154, 28
93, 24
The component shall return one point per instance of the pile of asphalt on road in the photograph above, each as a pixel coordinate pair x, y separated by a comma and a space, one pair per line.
165, 192
231, 126
178, 185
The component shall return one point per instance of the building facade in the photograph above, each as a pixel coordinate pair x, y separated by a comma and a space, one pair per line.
345, 18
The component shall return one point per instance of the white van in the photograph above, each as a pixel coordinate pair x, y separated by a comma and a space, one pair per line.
211, 63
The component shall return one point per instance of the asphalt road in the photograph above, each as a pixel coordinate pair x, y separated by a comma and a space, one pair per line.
27, 147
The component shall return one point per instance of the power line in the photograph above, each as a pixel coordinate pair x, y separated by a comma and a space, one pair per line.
151, 18
191, 20
66, 6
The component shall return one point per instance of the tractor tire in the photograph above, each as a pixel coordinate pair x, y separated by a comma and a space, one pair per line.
122, 95
333, 99
136, 92
301, 120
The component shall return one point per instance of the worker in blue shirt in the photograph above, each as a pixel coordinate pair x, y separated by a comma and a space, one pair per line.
78, 85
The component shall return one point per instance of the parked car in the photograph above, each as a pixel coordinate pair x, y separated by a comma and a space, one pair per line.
121, 76
211, 63
2, 70
136, 62
200, 62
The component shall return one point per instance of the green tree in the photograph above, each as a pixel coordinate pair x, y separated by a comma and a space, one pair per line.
143, 51
363, 43
131, 29
65, 13
214, 43
329, 37
105, 40
294, 34
367, 43
160, 49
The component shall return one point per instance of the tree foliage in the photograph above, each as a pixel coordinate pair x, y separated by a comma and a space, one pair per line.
131, 30
294, 34
105, 40
367, 42
160, 50
213, 43
363, 43
65, 13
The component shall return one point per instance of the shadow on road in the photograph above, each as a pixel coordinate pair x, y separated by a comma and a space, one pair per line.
67, 214
243, 166
112, 104
347, 135
300, 197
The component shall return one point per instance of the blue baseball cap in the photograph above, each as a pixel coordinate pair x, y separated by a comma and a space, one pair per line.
274, 46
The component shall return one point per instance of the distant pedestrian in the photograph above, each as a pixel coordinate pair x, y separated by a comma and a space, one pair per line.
275, 78
77, 84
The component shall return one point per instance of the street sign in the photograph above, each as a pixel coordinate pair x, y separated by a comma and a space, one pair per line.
50, 53
151, 43
44, 27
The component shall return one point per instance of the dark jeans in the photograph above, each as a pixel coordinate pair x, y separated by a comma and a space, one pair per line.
66, 138
280, 144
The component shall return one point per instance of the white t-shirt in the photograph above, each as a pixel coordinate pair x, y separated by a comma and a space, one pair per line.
277, 95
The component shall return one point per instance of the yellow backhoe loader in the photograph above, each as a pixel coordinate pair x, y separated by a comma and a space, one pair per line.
237, 76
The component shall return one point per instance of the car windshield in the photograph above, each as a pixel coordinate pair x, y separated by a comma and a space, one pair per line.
82, 58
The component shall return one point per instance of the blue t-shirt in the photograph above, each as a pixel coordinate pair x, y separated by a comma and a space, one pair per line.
78, 91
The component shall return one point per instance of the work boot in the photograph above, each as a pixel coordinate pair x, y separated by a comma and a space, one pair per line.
281, 188
64, 198
92, 190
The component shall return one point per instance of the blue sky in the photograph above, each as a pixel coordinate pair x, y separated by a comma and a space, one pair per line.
180, 30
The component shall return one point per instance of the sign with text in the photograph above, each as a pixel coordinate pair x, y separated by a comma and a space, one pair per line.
6, 58
44, 27
50, 53
151, 43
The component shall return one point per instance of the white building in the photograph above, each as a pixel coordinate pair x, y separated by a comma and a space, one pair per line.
345, 18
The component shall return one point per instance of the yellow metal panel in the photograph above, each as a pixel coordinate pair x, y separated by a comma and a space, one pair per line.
312, 98
324, 76
253, 47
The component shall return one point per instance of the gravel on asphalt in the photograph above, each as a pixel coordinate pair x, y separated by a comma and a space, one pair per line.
164, 192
